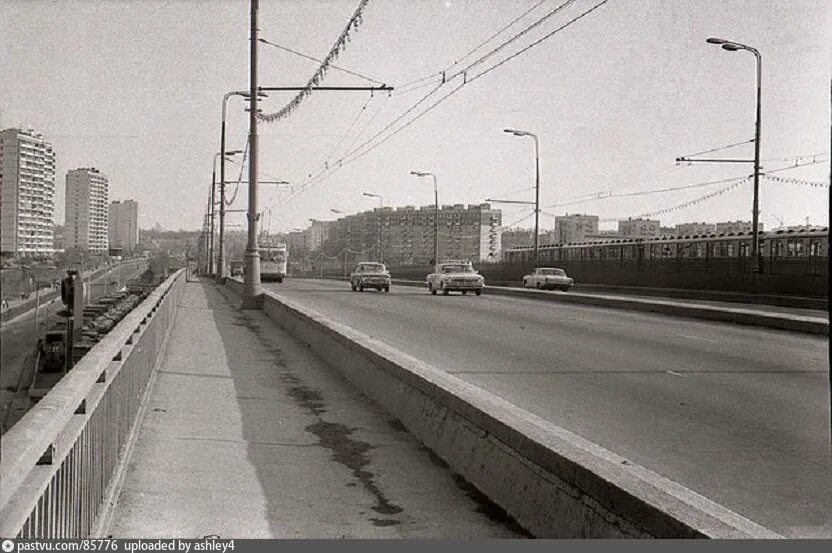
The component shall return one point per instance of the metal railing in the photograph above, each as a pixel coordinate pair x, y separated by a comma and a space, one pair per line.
60, 461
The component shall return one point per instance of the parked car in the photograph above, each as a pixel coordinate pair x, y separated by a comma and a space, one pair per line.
370, 275
455, 276
548, 278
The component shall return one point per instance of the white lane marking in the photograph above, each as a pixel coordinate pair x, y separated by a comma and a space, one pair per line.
676, 374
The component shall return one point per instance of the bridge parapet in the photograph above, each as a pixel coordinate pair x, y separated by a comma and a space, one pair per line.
61, 462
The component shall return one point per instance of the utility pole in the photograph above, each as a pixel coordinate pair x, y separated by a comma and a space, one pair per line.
252, 288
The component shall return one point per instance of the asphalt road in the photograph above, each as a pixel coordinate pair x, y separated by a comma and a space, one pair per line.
17, 337
738, 414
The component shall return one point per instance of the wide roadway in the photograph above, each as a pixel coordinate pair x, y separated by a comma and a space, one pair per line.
738, 414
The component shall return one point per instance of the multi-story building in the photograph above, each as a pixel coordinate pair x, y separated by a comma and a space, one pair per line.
574, 228
317, 232
406, 234
123, 225
86, 225
693, 229
728, 227
639, 227
27, 194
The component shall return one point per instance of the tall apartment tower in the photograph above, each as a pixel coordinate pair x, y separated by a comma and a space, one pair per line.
86, 227
27, 194
124, 225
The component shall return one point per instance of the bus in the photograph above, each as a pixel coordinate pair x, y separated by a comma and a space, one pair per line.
273, 262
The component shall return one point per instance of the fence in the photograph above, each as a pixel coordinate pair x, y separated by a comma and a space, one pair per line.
60, 460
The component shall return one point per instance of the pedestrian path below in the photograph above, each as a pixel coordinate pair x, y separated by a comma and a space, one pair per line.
248, 434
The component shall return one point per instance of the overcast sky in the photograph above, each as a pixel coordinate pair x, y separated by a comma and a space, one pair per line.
135, 88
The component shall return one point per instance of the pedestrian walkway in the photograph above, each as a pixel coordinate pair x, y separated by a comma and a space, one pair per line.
247, 433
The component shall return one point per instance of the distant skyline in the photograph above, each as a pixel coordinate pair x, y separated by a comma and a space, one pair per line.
614, 98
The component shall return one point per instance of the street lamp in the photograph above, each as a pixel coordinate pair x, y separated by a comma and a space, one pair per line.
435, 213
380, 213
212, 211
221, 255
536, 186
732, 46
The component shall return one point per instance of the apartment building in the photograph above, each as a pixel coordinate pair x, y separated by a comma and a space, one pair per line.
639, 227
728, 227
27, 194
405, 235
123, 225
574, 228
87, 213
693, 229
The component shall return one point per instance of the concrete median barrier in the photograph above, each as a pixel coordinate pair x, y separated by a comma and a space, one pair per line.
553, 482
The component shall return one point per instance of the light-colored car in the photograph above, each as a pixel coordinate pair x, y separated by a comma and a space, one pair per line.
548, 278
370, 275
455, 276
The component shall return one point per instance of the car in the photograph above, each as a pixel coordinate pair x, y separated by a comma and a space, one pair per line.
369, 274
455, 276
548, 278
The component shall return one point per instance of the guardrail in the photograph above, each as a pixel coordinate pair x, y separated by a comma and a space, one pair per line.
59, 462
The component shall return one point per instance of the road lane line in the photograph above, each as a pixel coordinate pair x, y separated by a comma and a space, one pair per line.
676, 374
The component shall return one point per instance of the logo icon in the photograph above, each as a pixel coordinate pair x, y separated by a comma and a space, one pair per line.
8, 546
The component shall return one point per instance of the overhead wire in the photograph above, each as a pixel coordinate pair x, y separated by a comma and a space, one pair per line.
332, 65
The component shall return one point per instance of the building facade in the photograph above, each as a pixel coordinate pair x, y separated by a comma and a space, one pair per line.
87, 213
123, 225
693, 229
728, 227
27, 194
639, 227
574, 228
405, 235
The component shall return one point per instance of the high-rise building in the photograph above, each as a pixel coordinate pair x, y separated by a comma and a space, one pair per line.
27, 194
86, 226
728, 227
574, 228
123, 225
639, 227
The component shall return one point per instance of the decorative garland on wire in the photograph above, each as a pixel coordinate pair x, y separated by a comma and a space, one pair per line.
318, 76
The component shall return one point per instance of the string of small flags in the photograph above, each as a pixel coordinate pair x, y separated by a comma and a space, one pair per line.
790, 180
318, 76
693, 202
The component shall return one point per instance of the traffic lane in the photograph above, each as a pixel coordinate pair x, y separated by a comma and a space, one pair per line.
706, 404
819, 313
689, 344
506, 336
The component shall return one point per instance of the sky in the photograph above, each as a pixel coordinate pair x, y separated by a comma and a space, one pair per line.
135, 89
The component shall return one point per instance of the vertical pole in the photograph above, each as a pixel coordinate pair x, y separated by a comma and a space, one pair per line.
435, 222
211, 210
755, 214
252, 287
37, 309
536, 198
380, 229
221, 252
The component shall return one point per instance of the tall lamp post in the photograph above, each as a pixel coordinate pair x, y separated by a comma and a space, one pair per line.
380, 213
435, 213
214, 204
732, 46
536, 186
252, 288
221, 249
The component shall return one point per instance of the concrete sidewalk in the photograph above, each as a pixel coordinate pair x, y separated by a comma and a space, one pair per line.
248, 434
